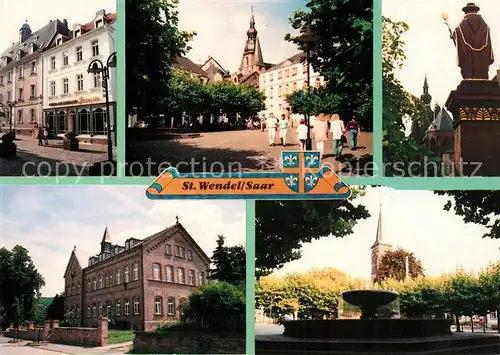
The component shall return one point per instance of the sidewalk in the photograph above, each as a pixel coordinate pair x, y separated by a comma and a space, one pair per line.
121, 348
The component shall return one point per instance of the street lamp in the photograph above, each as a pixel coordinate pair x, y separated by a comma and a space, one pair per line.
97, 67
10, 105
308, 39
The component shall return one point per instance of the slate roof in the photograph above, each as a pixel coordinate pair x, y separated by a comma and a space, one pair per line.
183, 63
442, 123
41, 38
294, 59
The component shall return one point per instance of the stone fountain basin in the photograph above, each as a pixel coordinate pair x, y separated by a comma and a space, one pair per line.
367, 328
369, 298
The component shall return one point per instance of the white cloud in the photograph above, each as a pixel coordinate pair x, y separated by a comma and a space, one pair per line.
413, 220
49, 221
429, 48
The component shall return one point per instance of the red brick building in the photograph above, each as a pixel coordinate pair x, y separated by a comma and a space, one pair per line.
138, 285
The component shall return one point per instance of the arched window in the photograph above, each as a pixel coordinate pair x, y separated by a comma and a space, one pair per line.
100, 120
171, 306
182, 302
280, 91
318, 82
287, 89
61, 123
158, 306
84, 121
73, 122
294, 86
50, 120
156, 271
271, 93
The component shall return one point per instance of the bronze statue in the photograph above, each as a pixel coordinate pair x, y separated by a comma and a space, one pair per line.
473, 41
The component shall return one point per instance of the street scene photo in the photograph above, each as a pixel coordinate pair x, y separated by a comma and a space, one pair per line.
441, 88
225, 87
112, 272
57, 88
385, 272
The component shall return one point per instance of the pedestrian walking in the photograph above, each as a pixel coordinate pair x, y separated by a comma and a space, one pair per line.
320, 133
272, 127
283, 124
353, 128
39, 135
46, 135
337, 130
302, 134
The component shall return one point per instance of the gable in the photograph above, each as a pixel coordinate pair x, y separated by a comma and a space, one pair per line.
73, 266
176, 233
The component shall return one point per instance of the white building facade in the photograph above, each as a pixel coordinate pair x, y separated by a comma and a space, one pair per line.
283, 79
74, 100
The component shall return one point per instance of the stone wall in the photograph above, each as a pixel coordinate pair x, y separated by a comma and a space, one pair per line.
51, 332
183, 342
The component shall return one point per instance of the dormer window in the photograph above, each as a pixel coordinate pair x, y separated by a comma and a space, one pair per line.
59, 41
99, 23
77, 33
31, 48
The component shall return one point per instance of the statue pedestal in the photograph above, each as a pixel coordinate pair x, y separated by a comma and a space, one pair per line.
475, 106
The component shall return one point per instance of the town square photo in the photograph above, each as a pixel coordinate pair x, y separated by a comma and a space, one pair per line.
57, 88
105, 270
385, 272
441, 88
227, 86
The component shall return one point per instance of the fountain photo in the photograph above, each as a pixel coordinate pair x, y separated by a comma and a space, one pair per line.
387, 271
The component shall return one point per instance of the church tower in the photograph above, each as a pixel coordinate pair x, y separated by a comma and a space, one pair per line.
106, 243
379, 248
251, 60
24, 32
418, 129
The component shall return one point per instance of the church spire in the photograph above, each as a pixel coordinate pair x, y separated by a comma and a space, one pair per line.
378, 237
426, 97
106, 238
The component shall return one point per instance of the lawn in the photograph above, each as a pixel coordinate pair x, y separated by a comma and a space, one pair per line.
119, 336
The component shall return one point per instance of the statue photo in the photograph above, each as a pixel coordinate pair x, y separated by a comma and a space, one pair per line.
473, 41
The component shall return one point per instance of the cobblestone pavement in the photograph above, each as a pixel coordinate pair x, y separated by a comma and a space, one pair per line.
246, 150
51, 159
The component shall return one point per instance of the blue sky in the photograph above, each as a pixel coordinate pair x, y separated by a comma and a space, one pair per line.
222, 25
13, 13
49, 221
413, 220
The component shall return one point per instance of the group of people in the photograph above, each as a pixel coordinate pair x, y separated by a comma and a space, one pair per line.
325, 127
42, 134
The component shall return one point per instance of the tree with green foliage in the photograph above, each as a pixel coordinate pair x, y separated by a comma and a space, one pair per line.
489, 282
281, 227
20, 283
55, 310
218, 306
476, 206
40, 309
154, 41
393, 266
343, 55
229, 263
401, 152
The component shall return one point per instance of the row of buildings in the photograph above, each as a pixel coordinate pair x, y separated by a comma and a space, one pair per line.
276, 81
138, 285
44, 78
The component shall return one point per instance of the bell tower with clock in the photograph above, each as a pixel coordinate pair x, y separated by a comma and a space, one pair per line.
379, 248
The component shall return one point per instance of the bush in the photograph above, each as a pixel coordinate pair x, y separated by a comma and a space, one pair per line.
8, 138
217, 305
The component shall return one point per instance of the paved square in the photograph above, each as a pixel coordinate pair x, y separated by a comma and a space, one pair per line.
246, 150
52, 159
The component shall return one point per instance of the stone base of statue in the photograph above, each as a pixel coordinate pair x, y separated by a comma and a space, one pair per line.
475, 106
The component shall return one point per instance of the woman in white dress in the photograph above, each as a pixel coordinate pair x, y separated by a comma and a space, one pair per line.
320, 132
338, 130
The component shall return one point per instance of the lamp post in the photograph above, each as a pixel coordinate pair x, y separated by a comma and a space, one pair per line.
308, 39
98, 67
10, 105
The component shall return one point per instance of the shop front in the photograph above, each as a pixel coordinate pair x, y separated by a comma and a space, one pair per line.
87, 117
